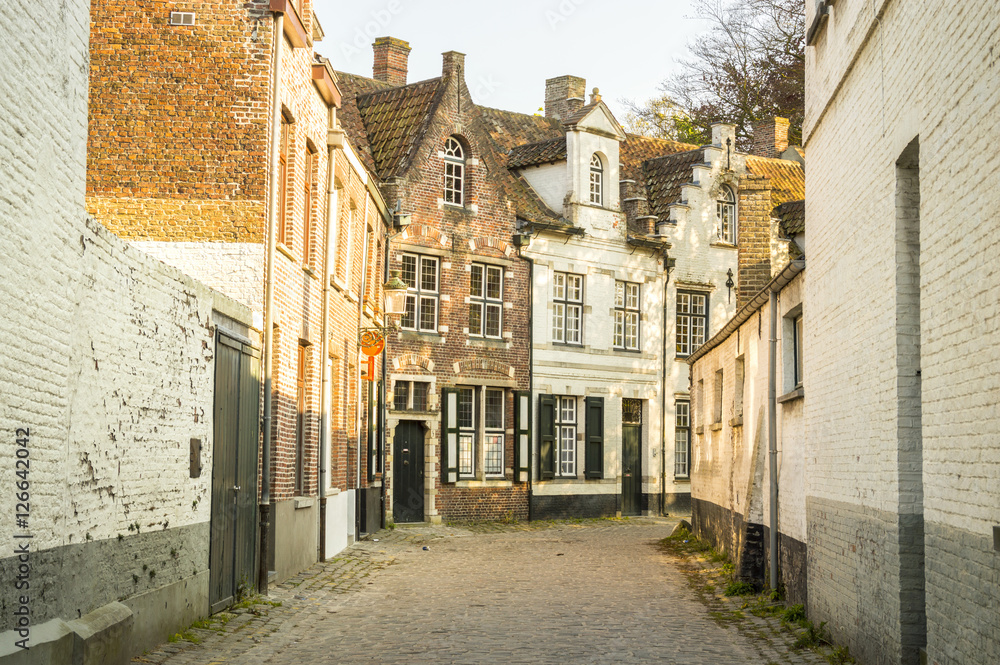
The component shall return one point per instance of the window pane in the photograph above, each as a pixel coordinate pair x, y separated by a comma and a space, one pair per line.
619, 294
465, 466
567, 451
567, 409
558, 312
632, 330
428, 313
619, 329
493, 283
420, 389
573, 324
494, 409
476, 284
559, 286
493, 454
428, 274
681, 453
466, 410
574, 288
632, 299
697, 304
682, 414
683, 303
697, 332
493, 320
409, 318
400, 399
683, 347
476, 318
409, 271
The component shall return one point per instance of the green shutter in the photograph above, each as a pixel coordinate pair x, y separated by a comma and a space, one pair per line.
595, 437
449, 435
522, 436
546, 436
371, 434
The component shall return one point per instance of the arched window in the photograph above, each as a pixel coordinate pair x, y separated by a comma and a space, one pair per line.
596, 180
454, 173
725, 210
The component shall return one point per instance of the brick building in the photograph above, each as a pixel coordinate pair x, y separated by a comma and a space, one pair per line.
192, 157
903, 460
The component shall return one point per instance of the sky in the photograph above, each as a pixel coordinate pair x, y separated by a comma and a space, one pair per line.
625, 48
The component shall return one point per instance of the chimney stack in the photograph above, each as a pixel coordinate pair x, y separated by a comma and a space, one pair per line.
770, 137
563, 96
391, 55
453, 64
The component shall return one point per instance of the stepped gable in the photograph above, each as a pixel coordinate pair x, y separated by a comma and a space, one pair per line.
788, 178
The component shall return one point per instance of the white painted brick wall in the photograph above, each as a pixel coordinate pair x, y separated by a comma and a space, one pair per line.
109, 352
927, 70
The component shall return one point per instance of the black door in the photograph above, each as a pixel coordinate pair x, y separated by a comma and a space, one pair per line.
408, 472
631, 459
233, 539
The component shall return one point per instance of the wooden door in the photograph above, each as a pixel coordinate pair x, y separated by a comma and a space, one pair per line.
408, 472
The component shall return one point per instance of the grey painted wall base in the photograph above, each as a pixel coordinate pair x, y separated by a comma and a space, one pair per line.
99, 638
677, 504
574, 505
371, 509
294, 536
162, 612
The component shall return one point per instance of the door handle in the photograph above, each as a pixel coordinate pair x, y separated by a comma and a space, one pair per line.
406, 462
236, 488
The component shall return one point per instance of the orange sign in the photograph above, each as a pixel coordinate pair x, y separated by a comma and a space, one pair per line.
371, 343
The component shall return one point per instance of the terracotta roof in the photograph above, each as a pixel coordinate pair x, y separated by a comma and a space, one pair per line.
395, 119
351, 86
793, 217
541, 152
510, 129
788, 178
581, 113
664, 177
636, 150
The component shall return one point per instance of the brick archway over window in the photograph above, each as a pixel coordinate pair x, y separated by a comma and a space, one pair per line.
413, 360
426, 232
477, 244
483, 365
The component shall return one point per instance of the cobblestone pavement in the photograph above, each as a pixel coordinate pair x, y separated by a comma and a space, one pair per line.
596, 591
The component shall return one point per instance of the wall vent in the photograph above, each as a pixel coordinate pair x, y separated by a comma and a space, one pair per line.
181, 18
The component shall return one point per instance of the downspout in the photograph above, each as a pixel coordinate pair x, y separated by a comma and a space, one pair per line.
663, 396
272, 224
357, 405
531, 366
383, 391
324, 400
772, 435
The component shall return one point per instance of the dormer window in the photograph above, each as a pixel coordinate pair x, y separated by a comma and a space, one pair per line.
454, 173
725, 210
596, 181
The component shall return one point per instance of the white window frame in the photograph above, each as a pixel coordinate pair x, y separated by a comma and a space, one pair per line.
467, 431
418, 294
567, 308
691, 324
725, 213
682, 439
797, 368
627, 315
454, 173
596, 180
566, 417
494, 434
484, 303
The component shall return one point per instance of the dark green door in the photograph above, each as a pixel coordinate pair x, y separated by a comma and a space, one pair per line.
233, 538
631, 458
408, 472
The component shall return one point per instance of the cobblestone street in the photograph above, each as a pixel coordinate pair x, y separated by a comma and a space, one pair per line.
597, 591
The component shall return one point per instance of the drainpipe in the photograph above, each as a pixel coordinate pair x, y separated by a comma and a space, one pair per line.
663, 395
772, 435
324, 400
385, 369
360, 381
272, 225
531, 366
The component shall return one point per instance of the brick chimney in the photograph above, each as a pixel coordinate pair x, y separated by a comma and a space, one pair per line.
564, 95
770, 137
391, 55
453, 64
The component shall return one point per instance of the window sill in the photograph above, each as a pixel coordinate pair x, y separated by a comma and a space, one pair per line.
798, 393
715, 427
573, 345
721, 244
489, 482
682, 479
618, 349
489, 343
418, 335
309, 271
736, 421
283, 249
408, 413
304, 502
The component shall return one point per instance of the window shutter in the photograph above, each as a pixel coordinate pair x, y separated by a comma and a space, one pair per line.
595, 437
370, 444
449, 435
522, 436
546, 436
